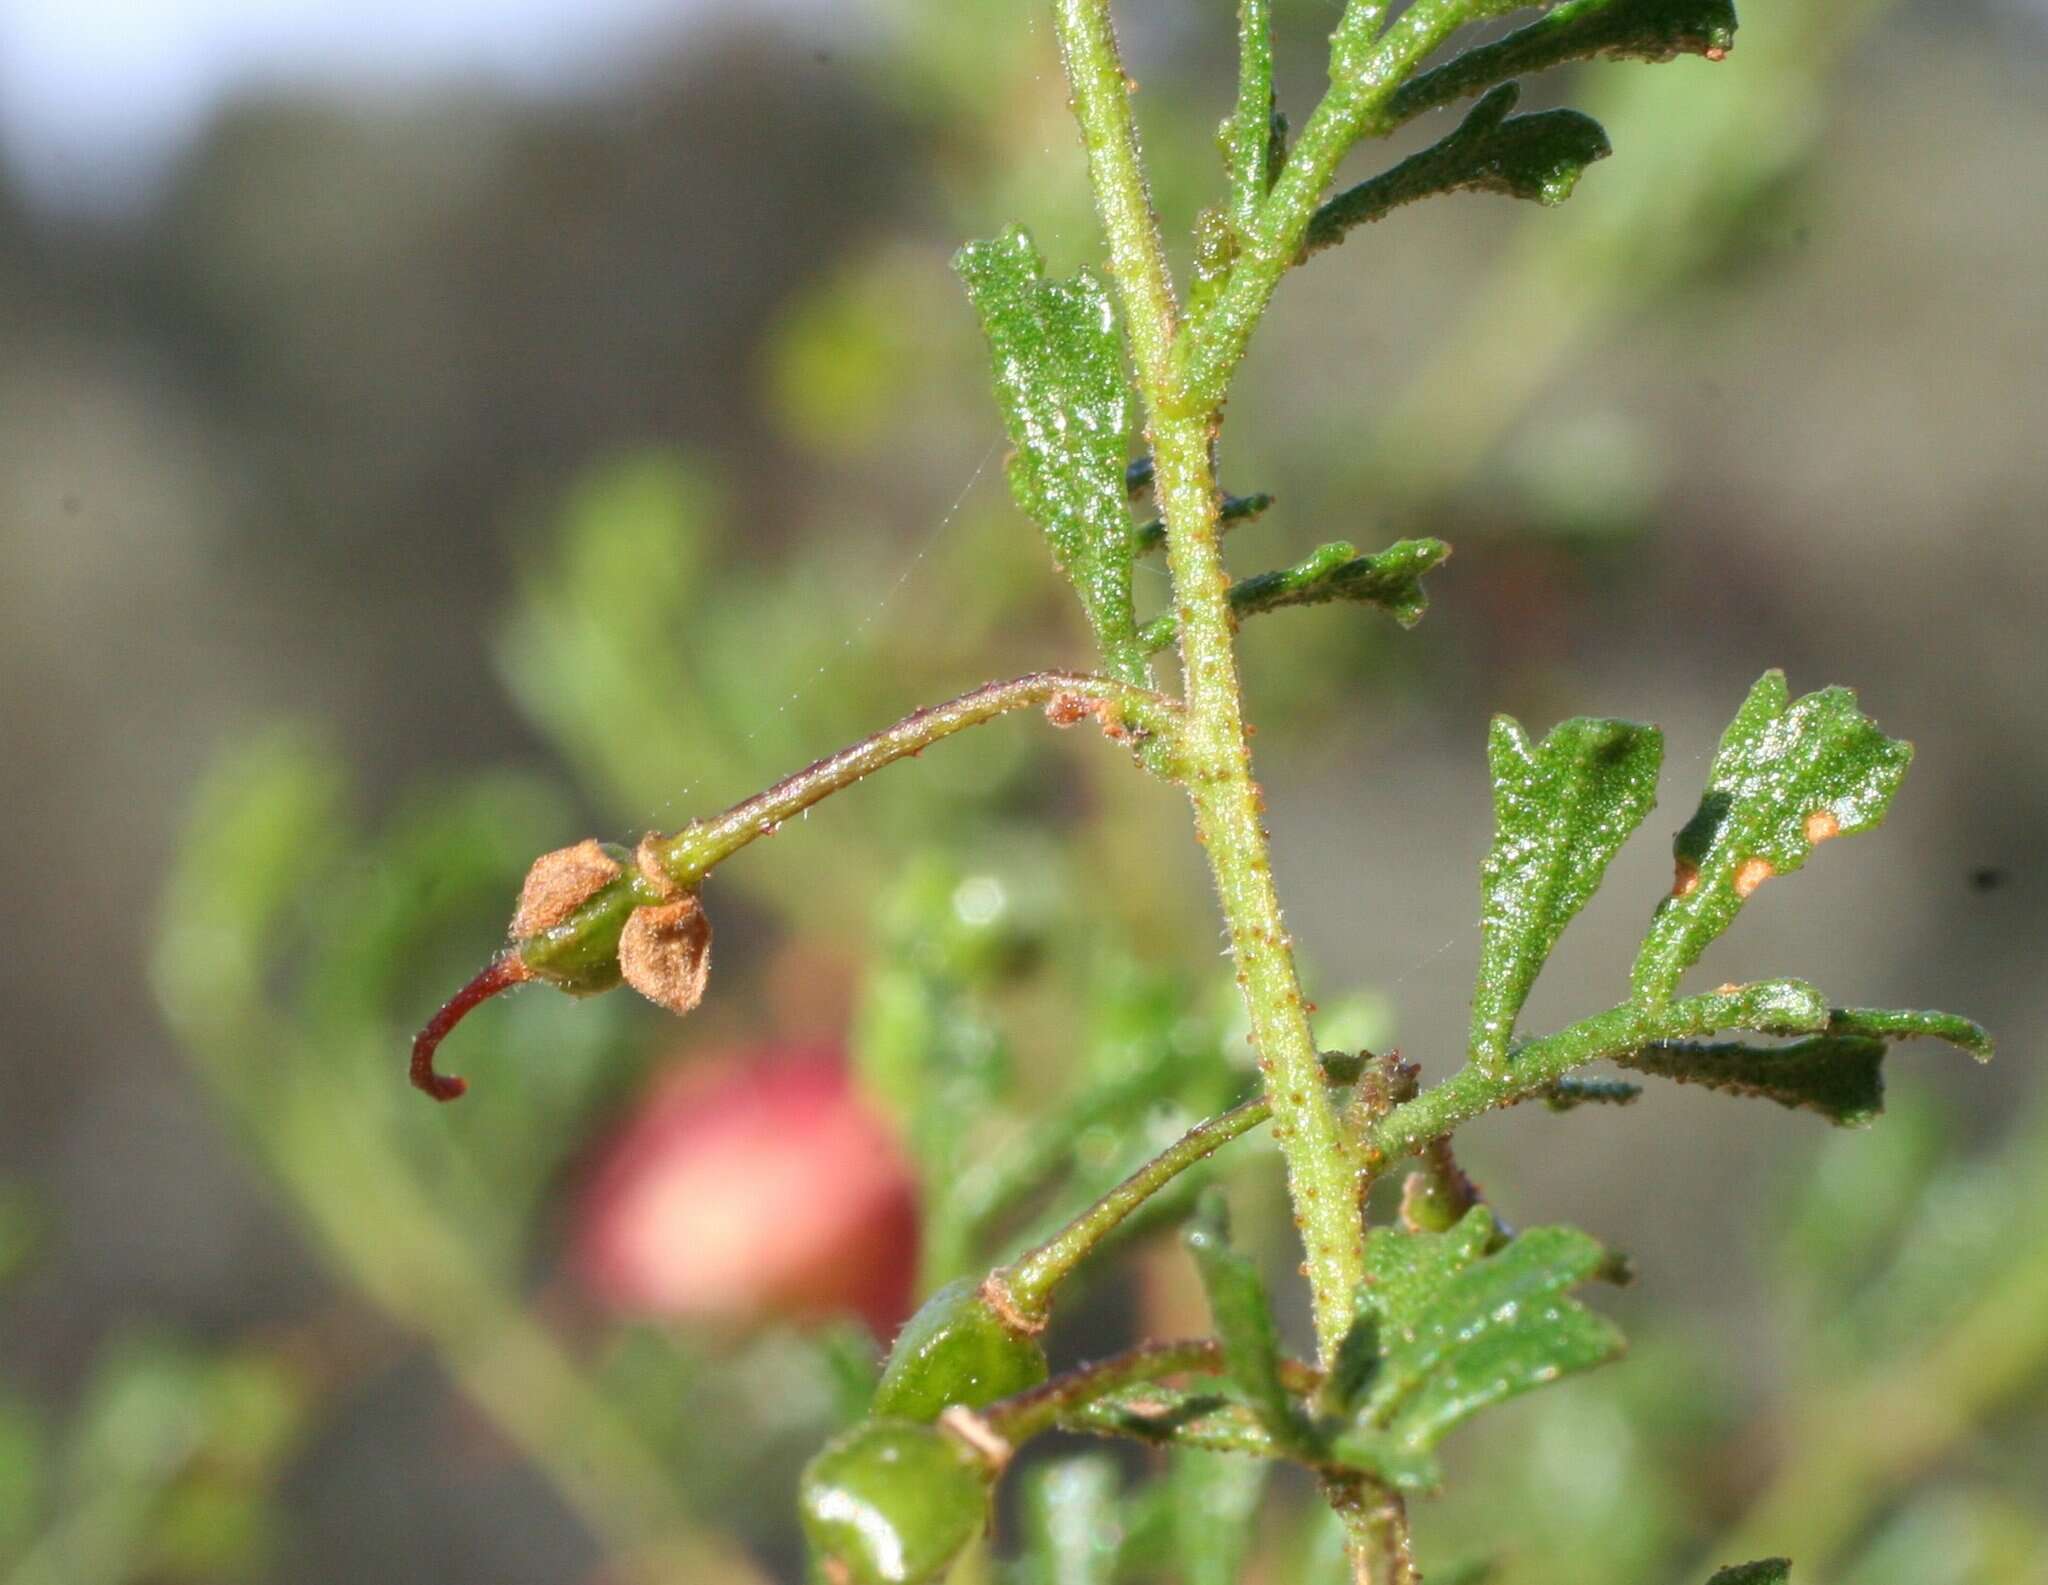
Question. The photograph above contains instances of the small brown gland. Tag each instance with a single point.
(647, 859)
(665, 953)
(1822, 824)
(1068, 709)
(1754, 873)
(1686, 881)
(560, 883)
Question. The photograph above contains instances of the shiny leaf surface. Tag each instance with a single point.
(1068, 406)
(1562, 810)
(1787, 777)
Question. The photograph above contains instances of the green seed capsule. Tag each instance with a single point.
(958, 1348)
(893, 1503)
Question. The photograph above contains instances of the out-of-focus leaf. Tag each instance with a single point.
(1072, 1528)
(1461, 1328)
(1215, 1508)
(1786, 777)
(1562, 810)
(1244, 1320)
(1770, 1571)
(1066, 399)
(1651, 30)
(1539, 157)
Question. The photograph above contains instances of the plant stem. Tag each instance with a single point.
(1375, 1521)
(1029, 1413)
(1215, 759)
(1251, 124)
(1031, 1280)
(695, 850)
(1473, 1091)
(1366, 67)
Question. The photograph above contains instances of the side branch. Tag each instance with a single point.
(1123, 710)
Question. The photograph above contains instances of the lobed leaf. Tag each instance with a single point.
(1562, 810)
(1461, 1327)
(1244, 1320)
(1786, 777)
(1391, 580)
(1067, 404)
(1646, 30)
(1539, 157)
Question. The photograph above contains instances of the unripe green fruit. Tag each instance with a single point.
(957, 1349)
(893, 1503)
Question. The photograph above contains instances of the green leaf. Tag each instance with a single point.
(1786, 777)
(1906, 1024)
(1771, 1571)
(1839, 1073)
(1462, 1328)
(1066, 399)
(1244, 1320)
(1840, 1077)
(1357, 1363)
(1538, 157)
(1562, 810)
(1391, 580)
(1647, 30)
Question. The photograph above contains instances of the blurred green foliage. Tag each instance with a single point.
(670, 651)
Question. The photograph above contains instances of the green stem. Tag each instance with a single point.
(1251, 124)
(1109, 132)
(1473, 1091)
(1367, 67)
(694, 851)
(1215, 758)
(1032, 1279)
(1028, 1413)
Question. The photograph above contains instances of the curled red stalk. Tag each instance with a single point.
(500, 974)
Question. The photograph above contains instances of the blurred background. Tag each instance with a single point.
(430, 434)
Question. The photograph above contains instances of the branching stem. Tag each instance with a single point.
(1215, 761)
(694, 851)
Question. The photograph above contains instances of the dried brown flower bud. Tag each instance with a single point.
(665, 952)
(560, 883)
(647, 859)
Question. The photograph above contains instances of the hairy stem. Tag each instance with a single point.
(695, 850)
(1215, 761)
(1028, 1413)
(1367, 66)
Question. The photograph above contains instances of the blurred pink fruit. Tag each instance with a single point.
(752, 1187)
